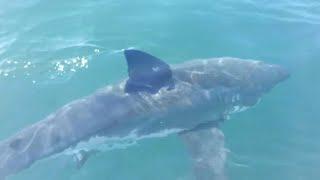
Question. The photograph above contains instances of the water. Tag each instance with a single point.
(52, 52)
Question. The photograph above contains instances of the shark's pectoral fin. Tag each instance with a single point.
(82, 156)
(206, 147)
(146, 73)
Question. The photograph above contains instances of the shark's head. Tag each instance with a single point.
(245, 79)
(248, 75)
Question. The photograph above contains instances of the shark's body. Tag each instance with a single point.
(188, 98)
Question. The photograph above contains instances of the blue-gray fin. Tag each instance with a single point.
(146, 73)
(207, 152)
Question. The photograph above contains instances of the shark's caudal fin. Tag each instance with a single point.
(146, 73)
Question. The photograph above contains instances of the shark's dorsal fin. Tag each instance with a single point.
(146, 73)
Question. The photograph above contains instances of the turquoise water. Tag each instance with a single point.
(52, 52)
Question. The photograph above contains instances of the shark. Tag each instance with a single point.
(190, 99)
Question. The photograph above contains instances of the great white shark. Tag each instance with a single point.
(190, 99)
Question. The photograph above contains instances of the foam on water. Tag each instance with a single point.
(105, 143)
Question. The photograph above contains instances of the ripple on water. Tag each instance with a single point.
(18, 68)
(57, 70)
(284, 10)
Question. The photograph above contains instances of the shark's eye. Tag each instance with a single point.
(16, 144)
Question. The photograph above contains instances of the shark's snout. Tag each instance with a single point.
(270, 75)
(281, 73)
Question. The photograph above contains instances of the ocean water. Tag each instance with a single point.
(52, 52)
